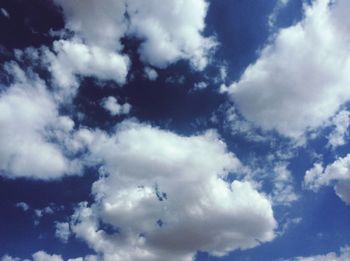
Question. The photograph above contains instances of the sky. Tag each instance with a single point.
(188, 130)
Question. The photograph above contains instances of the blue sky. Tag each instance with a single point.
(193, 130)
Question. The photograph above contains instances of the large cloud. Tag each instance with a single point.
(337, 173)
(302, 77)
(28, 117)
(162, 196)
(169, 32)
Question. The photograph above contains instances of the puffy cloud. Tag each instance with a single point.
(301, 78)
(43, 256)
(343, 256)
(341, 123)
(29, 116)
(113, 107)
(62, 231)
(106, 28)
(170, 32)
(158, 190)
(150, 73)
(74, 58)
(337, 172)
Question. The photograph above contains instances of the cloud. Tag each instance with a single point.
(31, 119)
(343, 256)
(158, 190)
(341, 123)
(44, 256)
(22, 205)
(150, 73)
(62, 231)
(337, 172)
(168, 32)
(113, 107)
(283, 191)
(301, 78)
(73, 58)
(200, 86)
(4, 13)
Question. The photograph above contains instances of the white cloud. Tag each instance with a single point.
(171, 32)
(283, 190)
(44, 256)
(74, 58)
(343, 256)
(337, 172)
(341, 123)
(22, 205)
(113, 107)
(301, 78)
(105, 29)
(159, 189)
(150, 73)
(30, 116)
(62, 231)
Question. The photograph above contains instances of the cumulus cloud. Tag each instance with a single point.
(156, 192)
(337, 173)
(30, 115)
(113, 107)
(73, 58)
(343, 256)
(301, 78)
(62, 231)
(341, 123)
(169, 32)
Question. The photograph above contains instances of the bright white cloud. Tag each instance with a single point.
(343, 256)
(157, 190)
(171, 32)
(337, 173)
(301, 78)
(30, 117)
(113, 107)
(74, 58)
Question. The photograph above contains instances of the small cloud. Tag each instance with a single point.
(111, 105)
(200, 86)
(150, 73)
(4, 13)
(22, 205)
